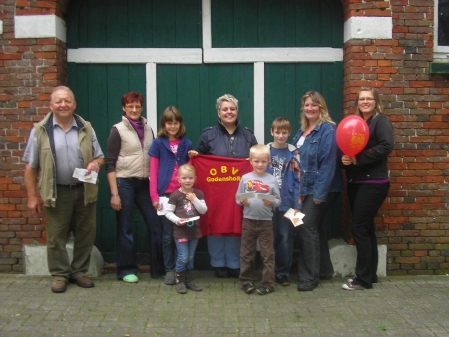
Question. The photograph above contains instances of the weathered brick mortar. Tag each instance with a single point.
(414, 220)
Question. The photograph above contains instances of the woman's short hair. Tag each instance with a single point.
(227, 98)
(259, 149)
(171, 113)
(188, 168)
(130, 97)
(379, 108)
(281, 123)
(318, 99)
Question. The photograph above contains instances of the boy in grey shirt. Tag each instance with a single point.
(257, 220)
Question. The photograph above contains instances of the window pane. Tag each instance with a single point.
(443, 23)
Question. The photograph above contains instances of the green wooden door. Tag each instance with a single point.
(134, 25)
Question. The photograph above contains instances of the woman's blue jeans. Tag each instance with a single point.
(135, 192)
(186, 254)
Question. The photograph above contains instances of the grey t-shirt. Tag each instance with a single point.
(265, 184)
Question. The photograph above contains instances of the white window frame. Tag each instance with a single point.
(440, 53)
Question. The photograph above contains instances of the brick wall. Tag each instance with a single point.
(413, 222)
(29, 70)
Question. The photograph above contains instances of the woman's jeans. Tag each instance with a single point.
(134, 191)
(314, 258)
(186, 254)
(365, 200)
(224, 251)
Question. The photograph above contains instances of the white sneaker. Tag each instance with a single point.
(350, 286)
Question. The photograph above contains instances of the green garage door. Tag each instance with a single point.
(193, 88)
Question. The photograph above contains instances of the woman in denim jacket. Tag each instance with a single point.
(320, 185)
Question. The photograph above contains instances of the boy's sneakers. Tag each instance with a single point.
(248, 288)
(283, 280)
(263, 290)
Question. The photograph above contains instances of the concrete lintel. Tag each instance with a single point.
(344, 257)
(40, 26)
(361, 27)
(35, 260)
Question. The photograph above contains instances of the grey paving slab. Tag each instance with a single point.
(397, 306)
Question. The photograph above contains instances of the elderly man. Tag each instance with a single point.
(58, 144)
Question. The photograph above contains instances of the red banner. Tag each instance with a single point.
(219, 177)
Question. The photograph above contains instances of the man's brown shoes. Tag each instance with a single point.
(82, 281)
(58, 286)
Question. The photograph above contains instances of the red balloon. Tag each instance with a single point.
(352, 135)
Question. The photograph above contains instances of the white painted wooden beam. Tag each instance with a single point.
(272, 55)
(207, 24)
(39, 26)
(136, 55)
(365, 27)
(259, 102)
(151, 90)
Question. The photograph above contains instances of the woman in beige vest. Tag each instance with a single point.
(127, 168)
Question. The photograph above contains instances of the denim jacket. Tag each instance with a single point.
(290, 180)
(320, 172)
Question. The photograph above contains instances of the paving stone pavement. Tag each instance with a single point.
(397, 306)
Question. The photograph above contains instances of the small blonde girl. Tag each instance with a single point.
(184, 206)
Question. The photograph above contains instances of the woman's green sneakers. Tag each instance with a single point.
(131, 278)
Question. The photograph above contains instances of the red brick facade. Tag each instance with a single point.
(413, 222)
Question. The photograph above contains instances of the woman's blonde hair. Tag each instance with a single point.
(378, 109)
(318, 100)
(227, 98)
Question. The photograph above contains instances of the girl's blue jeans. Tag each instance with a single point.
(186, 254)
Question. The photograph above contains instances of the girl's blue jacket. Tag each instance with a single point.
(160, 148)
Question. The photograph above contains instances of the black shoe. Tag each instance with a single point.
(283, 280)
(325, 277)
(248, 288)
(233, 272)
(221, 272)
(306, 285)
(263, 290)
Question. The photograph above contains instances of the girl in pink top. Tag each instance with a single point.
(168, 151)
